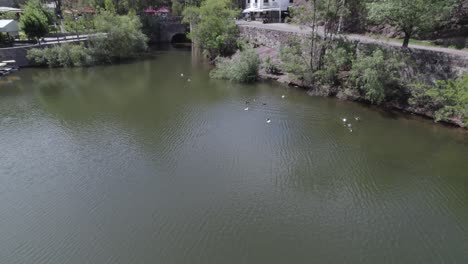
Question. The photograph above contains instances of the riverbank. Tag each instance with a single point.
(421, 66)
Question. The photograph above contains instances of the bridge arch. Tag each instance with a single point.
(179, 37)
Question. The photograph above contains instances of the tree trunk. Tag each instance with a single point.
(406, 40)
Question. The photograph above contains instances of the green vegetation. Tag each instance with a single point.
(448, 99)
(374, 75)
(213, 27)
(8, 15)
(121, 39)
(35, 20)
(320, 57)
(331, 65)
(177, 8)
(410, 16)
(271, 67)
(312, 14)
(296, 62)
(83, 24)
(65, 55)
(336, 60)
(242, 67)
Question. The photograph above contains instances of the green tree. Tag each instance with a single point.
(123, 37)
(213, 27)
(35, 20)
(109, 5)
(313, 13)
(410, 16)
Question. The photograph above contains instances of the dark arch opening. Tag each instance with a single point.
(180, 38)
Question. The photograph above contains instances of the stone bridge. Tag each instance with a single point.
(167, 30)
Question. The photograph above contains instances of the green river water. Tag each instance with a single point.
(133, 163)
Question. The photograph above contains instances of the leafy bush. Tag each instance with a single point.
(336, 60)
(271, 67)
(37, 56)
(296, 62)
(374, 75)
(65, 55)
(242, 67)
(448, 98)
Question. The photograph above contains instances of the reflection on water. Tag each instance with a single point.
(133, 163)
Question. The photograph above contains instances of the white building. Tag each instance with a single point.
(267, 10)
(272, 9)
(269, 4)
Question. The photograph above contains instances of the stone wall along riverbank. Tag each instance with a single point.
(426, 65)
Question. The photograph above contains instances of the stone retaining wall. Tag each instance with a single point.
(422, 65)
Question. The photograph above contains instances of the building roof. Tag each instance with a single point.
(9, 25)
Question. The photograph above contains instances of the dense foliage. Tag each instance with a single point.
(448, 99)
(410, 16)
(35, 20)
(242, 67)
(373, 75)
(65, 55)
(120, 38)
(271, 67)
(213, 27)
(336, 58)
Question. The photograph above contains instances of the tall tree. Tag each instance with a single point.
(213, 27)
(35, 20)
(410, 16)
(324, 12)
